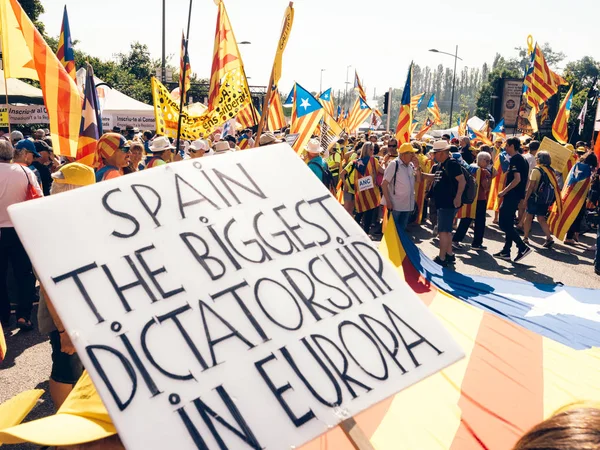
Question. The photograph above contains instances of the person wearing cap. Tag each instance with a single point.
(512, 195)
(24, 153)
(497, 148)
(43, 164)
(200, 148)
(448, 186)
(66, 366)
(161, 150)
(15, 181)
(116, 129)
(315, 162)
(398, 185)
(113, 152)
(268, 138)
(15, 137)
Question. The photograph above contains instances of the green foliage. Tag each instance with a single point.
(501, 68)
(34, 10)
(583, 75)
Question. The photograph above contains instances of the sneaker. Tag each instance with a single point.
(526, 241)
(440, 261)
(457, 246)
(522, 255)
(450, 258)
(478, 247)
(549, 243)
(435, 230)
(501, 255)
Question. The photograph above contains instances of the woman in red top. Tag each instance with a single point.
(484, 163)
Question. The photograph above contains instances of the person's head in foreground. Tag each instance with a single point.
(574, 429)
(25, 152)
(7, 152)
(136, 153)
(72, 176)
(161, 148)
(407, 153)
(113, 150)
(313, 148)
(513, 146)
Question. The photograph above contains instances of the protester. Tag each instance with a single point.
(334, 161)
(512, 194)
(39, 134)
(147, 139)
(15, 182)
(249, 134)
(232, 141)
(540, 196)
(161, 152)
(44, 165)
(572, 429)
(315, 162)
(66, 366)
(199, 148)
(484, 166)
(136, 155)
(268, 138)
(348, 176)
(366, 193)
(465, 150)
(448, 186)
(575, 229)
(15, 137)
(398, 185)
(113, 153)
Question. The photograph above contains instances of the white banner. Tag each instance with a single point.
(216, 304)
(511, 100)
(143, 121)
(23, 115)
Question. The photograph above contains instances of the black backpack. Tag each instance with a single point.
(470, 192)
(544, 194)
(327, 177)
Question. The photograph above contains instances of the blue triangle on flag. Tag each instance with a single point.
(326, 95)
(305, 102)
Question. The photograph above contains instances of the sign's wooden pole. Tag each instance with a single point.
(355, 435)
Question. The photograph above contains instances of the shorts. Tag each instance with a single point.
(66, 369)
(445, 217)
(348, 197)
(537, 209)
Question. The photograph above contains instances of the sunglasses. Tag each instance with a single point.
(125, 149)
(392, 146)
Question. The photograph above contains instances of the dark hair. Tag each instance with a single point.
(230, 138)
(453, 149)
(148, 134)
(485, 148)
(591, 160)
(446, 136)
(534, 146)
(515, 142)
(576, 429)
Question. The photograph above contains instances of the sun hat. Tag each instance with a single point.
(198, 145)
(82, 418)
(407, 148)
(27, 145)
(268, 138)
(313, 146)
(222, 147)
(75, 173)
(439, 146)
(161, 144)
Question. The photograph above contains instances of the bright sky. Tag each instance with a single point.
(379, 38)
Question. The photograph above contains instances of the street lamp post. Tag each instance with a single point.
(321, 82)
(456, 58)
(347, 83)
(163, 66)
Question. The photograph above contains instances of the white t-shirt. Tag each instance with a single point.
(403, 192)
(13, 188)
(531, 161)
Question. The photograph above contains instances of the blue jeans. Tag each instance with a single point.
(401, 219)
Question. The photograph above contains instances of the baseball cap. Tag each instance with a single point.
(16, 136)
(406, 148)
(76, 174)
(26, 144)
(82, 418)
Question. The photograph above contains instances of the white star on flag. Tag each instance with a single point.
(305, 104)
(560, 303)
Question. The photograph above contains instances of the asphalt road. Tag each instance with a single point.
(27, 365)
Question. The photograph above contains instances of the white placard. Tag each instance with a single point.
(228, 300)
(365, 183)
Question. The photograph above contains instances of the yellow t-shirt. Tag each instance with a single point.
(535, 177)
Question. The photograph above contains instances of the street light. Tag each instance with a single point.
(455, 56)
(244, 43)
(321, 82)
(347, 83)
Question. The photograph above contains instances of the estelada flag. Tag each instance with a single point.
(574, 195)
(468, 211)
(403, 129)
(61, 96)
(91, 122)
(306, 115)
(65, 52)
(275, 119)
(501, 165)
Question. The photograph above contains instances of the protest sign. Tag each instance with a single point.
(216, 304)
(559, 154)
(4, 117)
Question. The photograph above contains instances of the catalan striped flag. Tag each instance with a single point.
(306, 115)
(463, 126)
(501, 165)
(65, 52)
(184, 66)
(358, 114)
(243, 142)
(413, 126)
(574, 195)
(560, 127)
(91, 122)
(480, 135)
(416, 100)
(359, 87)
(406, 116)
(468, 211)
(558, 204)
(275, 119)
(573, 159)
(327, 101)
(249, 116)
(61, 95)
(226, 55)
(500, 130)
(424, 129)
(434, 109)
(420, 188)
(540, 82)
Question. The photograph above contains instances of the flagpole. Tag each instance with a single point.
(7, 104)
(184, 70)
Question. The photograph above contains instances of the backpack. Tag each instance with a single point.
(544, 194)
(327, 177)
(470, 192)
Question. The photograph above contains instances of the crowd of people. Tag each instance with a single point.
(447, 182)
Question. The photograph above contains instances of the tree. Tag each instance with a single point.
(34, 10)
(583, 75)
(501, 68)
(552, 58)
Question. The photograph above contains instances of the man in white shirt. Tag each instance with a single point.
(399, 185)
(14, 183)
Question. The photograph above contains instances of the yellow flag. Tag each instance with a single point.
(233, 97)
(16, 56)
(286, 29)
(533, 119)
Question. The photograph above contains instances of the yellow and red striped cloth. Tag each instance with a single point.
(275, 119)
